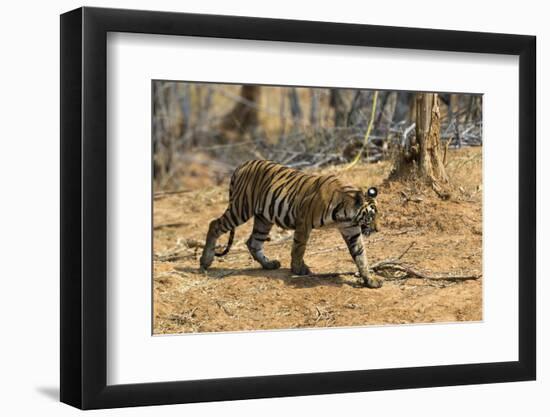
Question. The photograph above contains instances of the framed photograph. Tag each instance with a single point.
(259, 208)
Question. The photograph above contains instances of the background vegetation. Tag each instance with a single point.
(224, 125)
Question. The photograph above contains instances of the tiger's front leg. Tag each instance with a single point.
(354, 241)
(301, 236)
(255, 244)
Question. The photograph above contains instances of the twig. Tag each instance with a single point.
(161, 226)
(223, 308)
(319, 314)
(406, 250)
(162, 194)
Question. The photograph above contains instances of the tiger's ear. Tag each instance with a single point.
(372, 192)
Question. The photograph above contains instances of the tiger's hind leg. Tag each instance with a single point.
(229, 221)
(255, 243)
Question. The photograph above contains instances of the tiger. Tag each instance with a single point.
(295, 200)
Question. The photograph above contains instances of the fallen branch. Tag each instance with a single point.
(395, 269)
(385, 267)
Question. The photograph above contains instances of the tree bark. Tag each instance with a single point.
(428, 137)
(425, 153)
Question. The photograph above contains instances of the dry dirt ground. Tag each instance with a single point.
(237, 295)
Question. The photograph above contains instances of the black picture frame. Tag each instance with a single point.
(84, 207)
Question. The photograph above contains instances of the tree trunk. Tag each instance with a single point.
(314, 117)
(282, 113)
(295, 108)
(387, 111)
(454, 115)
(474, 109)
(402, 107)
(338, 103)
(428, 137)
(412, 108)
(244, 115)
(425, 153)
(205, 105)
(356, 116)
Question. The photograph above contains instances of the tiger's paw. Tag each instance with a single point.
(203, 268)
(274, 264)
(205, 261)
(372, 282)
(301, 270)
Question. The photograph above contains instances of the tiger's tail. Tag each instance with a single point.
(229, 244)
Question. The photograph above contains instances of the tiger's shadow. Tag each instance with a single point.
(282, 274)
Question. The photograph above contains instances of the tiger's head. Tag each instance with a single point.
(367, 212)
